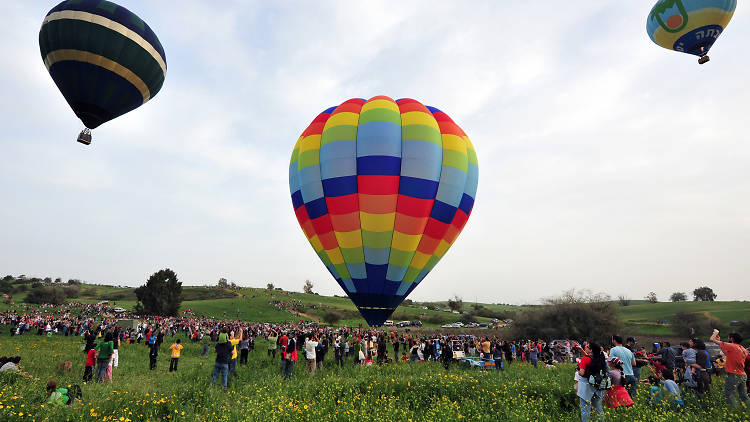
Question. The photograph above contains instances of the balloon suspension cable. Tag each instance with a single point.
(703, 60)
(85, 136)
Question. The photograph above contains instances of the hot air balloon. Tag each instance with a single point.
(382, 189)
(105, 60)
(689, 26)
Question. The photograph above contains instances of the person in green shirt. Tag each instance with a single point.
(272, 338)
(56, 395)
(104, 350)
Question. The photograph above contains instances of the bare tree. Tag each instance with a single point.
(651, 297)
(623, 300)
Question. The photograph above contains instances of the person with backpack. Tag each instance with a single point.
(593, 381)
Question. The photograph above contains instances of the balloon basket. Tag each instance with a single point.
(85, 136)
(703, 59)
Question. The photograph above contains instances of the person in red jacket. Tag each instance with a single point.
(291, 357)
(88, 371)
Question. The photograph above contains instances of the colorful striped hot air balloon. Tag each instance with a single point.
(689, 26)
(104, 59)
(382, 189)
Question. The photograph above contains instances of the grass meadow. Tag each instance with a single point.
(393, 392)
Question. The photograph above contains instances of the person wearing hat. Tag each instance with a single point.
(223, 355)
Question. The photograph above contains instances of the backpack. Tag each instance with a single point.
(600, 381)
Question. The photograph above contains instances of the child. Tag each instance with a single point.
(88, 372)
(654, 392)
(56, 395)
(175, 348)
(667, 378)
(617, 395)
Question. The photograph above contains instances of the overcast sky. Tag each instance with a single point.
(605, 161)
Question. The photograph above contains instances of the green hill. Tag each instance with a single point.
(255, 304)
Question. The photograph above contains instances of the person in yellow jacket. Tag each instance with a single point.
(234, 341)
(176, 347)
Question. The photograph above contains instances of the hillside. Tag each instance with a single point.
(639, 318)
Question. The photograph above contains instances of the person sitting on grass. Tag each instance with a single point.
(11, 365)
(666, 378)
(56, 396)
(654, 392)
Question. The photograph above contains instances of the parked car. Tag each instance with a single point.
(388, 323)
(404, 323)
(416, 323)
(483, 324)
(119, 310)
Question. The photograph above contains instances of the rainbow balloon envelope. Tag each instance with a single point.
(381, 189)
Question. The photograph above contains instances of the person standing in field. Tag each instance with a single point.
(591, 364)
(153, 353)
(104, 353)
(88, 371)
(223, 353)
(736, 381)
(628, 362)
(176, 347)
(244, 350)
(233, 362)
(291, 357)
(310, 345)
(272, 338)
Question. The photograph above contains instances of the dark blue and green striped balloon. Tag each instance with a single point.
(104, 59)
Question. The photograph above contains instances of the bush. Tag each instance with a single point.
(687, 324)
(47, 294)
(579, 316)
(331, 317)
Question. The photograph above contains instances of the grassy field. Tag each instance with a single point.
(394, 392)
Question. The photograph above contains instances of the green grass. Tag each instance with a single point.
(394, 392)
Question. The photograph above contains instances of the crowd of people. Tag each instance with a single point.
(605, 374)
(612, 374)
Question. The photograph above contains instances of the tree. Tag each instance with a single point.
(161, 295)
(58, 280)
(308, 287)
(456, 303)
(269, 286)
(578, 315)
(46, 294)
(704, 294)
(223, 283)
(678, 297)
(651, 297)
(623, 300)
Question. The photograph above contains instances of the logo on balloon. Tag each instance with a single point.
(675, 13)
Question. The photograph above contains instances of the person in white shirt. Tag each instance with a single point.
(310, 345)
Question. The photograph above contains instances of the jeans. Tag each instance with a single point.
(498, 364)
(631, 383)
(173, 364)
(283, 366)
(738, 383)
(101, 369)
(586, 407)
(289, 368)
(233, 367)
(534, 362)
(243, 356)
(224, 369)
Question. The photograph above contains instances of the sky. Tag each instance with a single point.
(605, 162)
